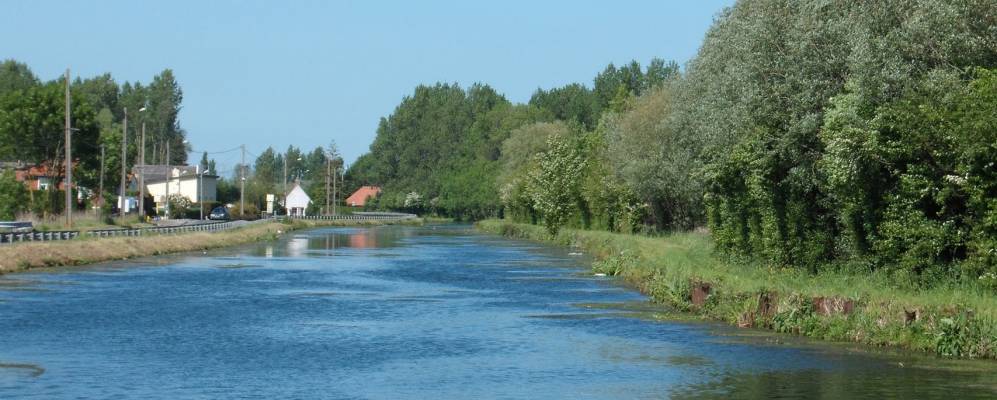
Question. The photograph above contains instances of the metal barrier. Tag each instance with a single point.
(17, 237)
(360, 216)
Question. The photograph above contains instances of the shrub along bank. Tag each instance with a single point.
(682, 271)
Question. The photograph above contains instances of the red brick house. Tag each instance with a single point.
(36, 176)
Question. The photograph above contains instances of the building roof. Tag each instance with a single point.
(297, 198)
(359, 198)
(157, 173)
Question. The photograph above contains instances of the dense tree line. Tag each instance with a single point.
(440, 149)
(32, 129)
(850, 131)
(802, 134)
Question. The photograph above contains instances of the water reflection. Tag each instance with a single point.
(891, 382)
(407, 312)
(297, 246)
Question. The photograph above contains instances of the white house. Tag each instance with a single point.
(188, 181)
(297, 201)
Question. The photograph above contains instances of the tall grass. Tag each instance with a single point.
(954, 319)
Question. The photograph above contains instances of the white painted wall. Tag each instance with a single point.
(297, 201)
(188, 186)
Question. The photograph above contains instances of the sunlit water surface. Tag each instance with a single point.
(407, 313)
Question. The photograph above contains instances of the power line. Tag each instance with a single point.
(215, 152)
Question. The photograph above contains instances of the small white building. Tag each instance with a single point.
(297, 201)
(186, 181)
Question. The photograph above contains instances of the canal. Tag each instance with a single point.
(397, 312)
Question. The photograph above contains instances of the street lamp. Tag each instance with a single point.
(200, 189)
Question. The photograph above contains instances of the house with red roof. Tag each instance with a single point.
(360, 197)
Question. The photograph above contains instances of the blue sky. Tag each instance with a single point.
(308, 72)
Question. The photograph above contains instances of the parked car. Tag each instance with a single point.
(219, 213)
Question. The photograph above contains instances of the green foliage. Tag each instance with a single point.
(442, 142)
(571, 103)
(854, 152)
(964, 335)
(667, 175)
(32, 125)
(808, 135)
(15, 76)
(13, 196)
(180, 205)
(554, 182)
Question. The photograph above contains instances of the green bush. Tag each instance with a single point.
(13, 196)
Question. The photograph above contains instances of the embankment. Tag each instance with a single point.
(81, 251)
(681, 271)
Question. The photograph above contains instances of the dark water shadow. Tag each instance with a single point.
(30, 370)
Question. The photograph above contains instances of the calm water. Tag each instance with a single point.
(405, 312)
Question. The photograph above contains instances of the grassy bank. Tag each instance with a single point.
(681, 270)
(24, 256)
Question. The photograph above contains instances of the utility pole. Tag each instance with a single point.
(328, 163)
(122, 204)
(101, 190)
(169, 177)
(284, 195)
(335, 171)
(242, 179)
(141, 173)
(69, 160)
(200, 187)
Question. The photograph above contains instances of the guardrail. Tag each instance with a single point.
(17, 237)
(360, 216)
(15, 226)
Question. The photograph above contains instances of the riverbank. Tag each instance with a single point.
(681, 271)
(82, 251)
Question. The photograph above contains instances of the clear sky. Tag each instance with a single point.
(307, 72)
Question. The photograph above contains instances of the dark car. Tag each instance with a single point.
(219, 213)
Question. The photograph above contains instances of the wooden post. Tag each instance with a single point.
(141, 176)
(100, 191)
(328, 163)
(124, 166)
(69, 160)
(242, 188)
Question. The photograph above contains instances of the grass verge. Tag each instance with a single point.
(24, 256)
(681, 270)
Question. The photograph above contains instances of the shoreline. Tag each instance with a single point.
(680, 271)
(27, 256)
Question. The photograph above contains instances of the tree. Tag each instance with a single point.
(433, 141)
(554, 181)
(32, 128)
(13, 196)
(100, 92)
(659, 72)
(204, 163)
(758, 92)
(519, 153)
(572, 102)
(657, 160)
(163, 98)
(15, 76)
